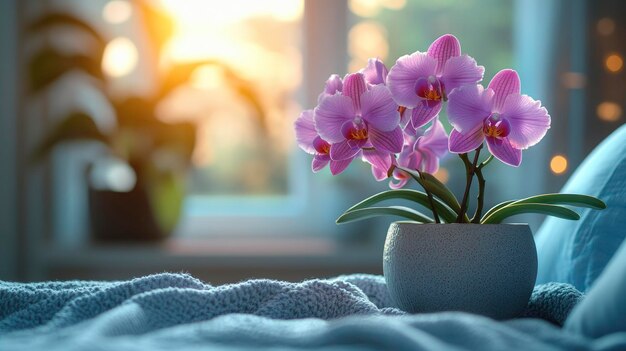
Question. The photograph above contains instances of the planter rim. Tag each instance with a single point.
(405, 223)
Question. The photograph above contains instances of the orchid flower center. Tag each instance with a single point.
(430, 89)
(321, 146)
(496, 127)
(355, 129)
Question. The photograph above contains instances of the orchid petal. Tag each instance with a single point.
(379, 174)
(319, 163)
(402, 178)
(503, 84)
(403, 75)
(400, 184)
(379, 109)
(405, 116)
(375, 73)
(434, 139)
(380, 161)
(343, 150)
(468, 106)
(424, 112)
(337, 167)
(386, 141)
(429, 162)
(461, 70)
(354, 86)
(465, 142)
(331, 114)
(444, 48)
(409, 158)
(529, 121)
(504, 151)
(333, 85)
(305, 131)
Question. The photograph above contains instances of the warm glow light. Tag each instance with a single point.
(207, 77)
(614, 63)
(558, 164)
(609, 111)
(259, 42)
(606, 26)
(442, 175)
(117, 11)
(368, 39)
(120, 57)
(198, 12)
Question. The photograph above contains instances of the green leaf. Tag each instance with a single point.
(412, 195)
(166, 192)
(77, 126)
(437, 188)
(565, 199)
(370, 212)
(495, 208)
(514, 209)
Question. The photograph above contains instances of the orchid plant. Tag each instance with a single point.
(390, 119)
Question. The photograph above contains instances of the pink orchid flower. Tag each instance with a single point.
(421, 81)
(375, 73)
(361, 117)
(422, 151)
(509, 121)
(334, 85)
(309, 141)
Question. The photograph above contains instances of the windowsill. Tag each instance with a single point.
(218, 260)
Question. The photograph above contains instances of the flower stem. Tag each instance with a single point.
(430, 199)
(481, 190)
(481, 194)
(470, 169)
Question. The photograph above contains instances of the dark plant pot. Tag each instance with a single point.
(487, 269)
(123, 216)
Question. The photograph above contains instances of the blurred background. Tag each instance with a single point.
(140, 136)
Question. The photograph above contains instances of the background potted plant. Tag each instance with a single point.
(448, 260)
(158, 153)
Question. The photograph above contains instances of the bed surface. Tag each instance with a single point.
(179, 312)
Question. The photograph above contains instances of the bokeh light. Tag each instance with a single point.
(367, 39)
(605, 26)
(117, 11)
(120, 57)
(609, 111)
(614, 63)
(558, 164)
(371, 8)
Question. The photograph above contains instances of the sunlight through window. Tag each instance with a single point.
(249, 45)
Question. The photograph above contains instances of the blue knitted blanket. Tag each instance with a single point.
(167, 311)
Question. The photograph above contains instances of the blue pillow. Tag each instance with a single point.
(603, 310)
(576, 252)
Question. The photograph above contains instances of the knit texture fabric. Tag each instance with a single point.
(552, 302)
(171, 299)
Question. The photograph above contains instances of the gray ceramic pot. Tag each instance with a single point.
(488, 269)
